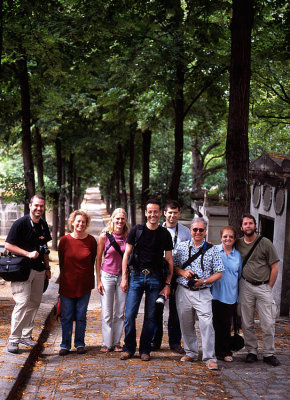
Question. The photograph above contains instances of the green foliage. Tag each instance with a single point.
(11, 179)
(97, 68)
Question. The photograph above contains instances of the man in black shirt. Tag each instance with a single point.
(25, 238)
(150, 242)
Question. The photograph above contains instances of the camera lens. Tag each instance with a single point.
(191, 281)
(160, 299)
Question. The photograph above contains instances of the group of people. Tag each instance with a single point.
(166, 261)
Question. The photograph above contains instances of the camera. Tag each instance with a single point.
(191, 281)
(160, 299)
(43, 249)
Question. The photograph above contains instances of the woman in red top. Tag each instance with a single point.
(77, 254)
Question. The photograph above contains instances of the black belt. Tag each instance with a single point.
(193, 288)
(256, 283)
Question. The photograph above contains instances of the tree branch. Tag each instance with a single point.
(208, 149)
(213, 157)
(208, 83)
(208, 171)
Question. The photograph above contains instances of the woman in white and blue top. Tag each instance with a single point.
(225, 293)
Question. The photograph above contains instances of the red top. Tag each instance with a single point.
(76, 261)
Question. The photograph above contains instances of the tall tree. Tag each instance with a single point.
(146, 145)
(131, 173)
(39, 161)
(22, 74)
(62, 201)
(237, 148)
(56, 193)
(1, 32)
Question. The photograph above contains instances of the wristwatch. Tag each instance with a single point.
(168, 284)
(204, 281)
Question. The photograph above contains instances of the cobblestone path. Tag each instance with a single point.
(96, 375)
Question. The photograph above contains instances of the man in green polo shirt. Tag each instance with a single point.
(258, 278)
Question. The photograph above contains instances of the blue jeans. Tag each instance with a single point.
(151, 285)
(74, 309)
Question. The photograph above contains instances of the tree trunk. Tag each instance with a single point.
(237, 148)
(55, 214)
(178, 133)
(146, 145)
(70, 183)
(26, 132)
(62, 201)
(108, 198)
(131, 179)
(113, 192)
(117, 186)
(197, 167)
(122, 178)
(77, 191)
(39, 161)
(1, 33)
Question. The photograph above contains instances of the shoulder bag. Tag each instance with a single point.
(132, 259)
(15, 268)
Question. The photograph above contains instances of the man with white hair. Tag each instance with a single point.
(198, 265)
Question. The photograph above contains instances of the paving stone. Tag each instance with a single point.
(104, 376)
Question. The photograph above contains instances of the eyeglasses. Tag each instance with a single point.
(198, 230)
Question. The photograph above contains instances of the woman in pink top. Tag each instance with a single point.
(111, 246)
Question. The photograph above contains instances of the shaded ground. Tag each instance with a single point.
(101, 376)
(104, 376)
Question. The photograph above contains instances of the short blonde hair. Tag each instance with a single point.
(73, 216)
(110, 225)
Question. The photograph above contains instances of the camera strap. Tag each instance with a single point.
(206, 246)
(113, 243)
(175, 235)
(34, 229)
(251, 251)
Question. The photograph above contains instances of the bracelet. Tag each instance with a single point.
(168, 284)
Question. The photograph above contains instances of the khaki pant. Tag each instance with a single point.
(190, 303)
(258, 298)
(27, 296)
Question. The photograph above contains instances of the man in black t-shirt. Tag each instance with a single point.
(25, 238)
(150, 242)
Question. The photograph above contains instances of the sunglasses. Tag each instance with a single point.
(198, 230)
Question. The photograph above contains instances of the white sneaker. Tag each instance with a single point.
(28, 342)
(13, 347)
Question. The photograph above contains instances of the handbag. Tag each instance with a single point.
(237, 341)
(15, 269)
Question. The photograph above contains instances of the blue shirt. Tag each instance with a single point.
(226, 289)
(212, 261)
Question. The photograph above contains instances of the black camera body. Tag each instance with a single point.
(191, 281)
(43, 250)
